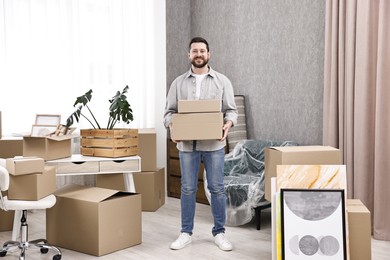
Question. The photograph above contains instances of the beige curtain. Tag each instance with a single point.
(357, 100)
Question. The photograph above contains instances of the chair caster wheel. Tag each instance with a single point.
(57, 257)
(44, 250)
(3, 253)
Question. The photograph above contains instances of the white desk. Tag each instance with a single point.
(79, 164)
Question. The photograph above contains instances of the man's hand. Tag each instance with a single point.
(225, 129)
(171, 131)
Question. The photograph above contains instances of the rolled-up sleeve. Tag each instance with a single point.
(228, 104)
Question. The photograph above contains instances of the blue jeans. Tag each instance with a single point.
(214, 165)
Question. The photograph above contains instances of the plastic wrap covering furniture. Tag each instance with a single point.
(244, 179)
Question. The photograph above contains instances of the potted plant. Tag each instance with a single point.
(119, 110)
(108, 141)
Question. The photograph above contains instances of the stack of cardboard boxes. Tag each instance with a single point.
(150, 182)
(40, 182)
(197, 120)
(103, 219)
(91, 220)
(30, 179)
(358, 216)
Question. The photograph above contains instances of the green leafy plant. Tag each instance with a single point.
(119, 110)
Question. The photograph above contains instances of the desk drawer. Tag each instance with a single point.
(77, 167)
(119, 166)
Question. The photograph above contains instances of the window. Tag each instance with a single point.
(52, 51)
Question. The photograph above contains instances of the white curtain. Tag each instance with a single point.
(52, 51)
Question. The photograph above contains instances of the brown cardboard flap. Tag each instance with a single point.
(90, 194)
(55, 138)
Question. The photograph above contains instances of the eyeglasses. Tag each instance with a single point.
(201, 51)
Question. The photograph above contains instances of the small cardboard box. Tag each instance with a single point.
(152, 187)
(199, 106)
(33, 186)
(6, 218)
(93, 220)
(197, 126)
(359, 230)
(297, 155)
(48, 148)
(147, 148)
(11, 147)
(25, 165)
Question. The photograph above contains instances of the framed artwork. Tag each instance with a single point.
(311, 177)
(44, 119)
(313, 224)
(42, 130)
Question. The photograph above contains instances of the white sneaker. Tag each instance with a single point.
(222, 242)
(183, 240)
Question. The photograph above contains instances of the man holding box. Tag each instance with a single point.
(199, 83)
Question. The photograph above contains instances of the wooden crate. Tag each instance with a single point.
(109, 143)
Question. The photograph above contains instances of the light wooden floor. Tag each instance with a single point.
(160, 228)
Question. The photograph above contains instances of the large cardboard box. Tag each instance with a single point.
(359, 230)
(6, 218)
(147, 148)
(297, 155)
(197, 126)
(94, 220)
(33, 186)
(199, 106)
(25, 165)
(11, 147)
(152, 187)
(48, 148)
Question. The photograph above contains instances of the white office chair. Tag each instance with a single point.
(23, 206)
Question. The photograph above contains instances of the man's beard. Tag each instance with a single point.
(199, 65)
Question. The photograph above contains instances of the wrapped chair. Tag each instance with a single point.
(23, 206)
(244, 181)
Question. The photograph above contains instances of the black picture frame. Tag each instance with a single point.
(313, 224)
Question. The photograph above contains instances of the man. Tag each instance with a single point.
(202, 82)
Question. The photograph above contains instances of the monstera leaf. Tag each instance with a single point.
(119, 110)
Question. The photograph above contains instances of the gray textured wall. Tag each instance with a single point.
(272, 50)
